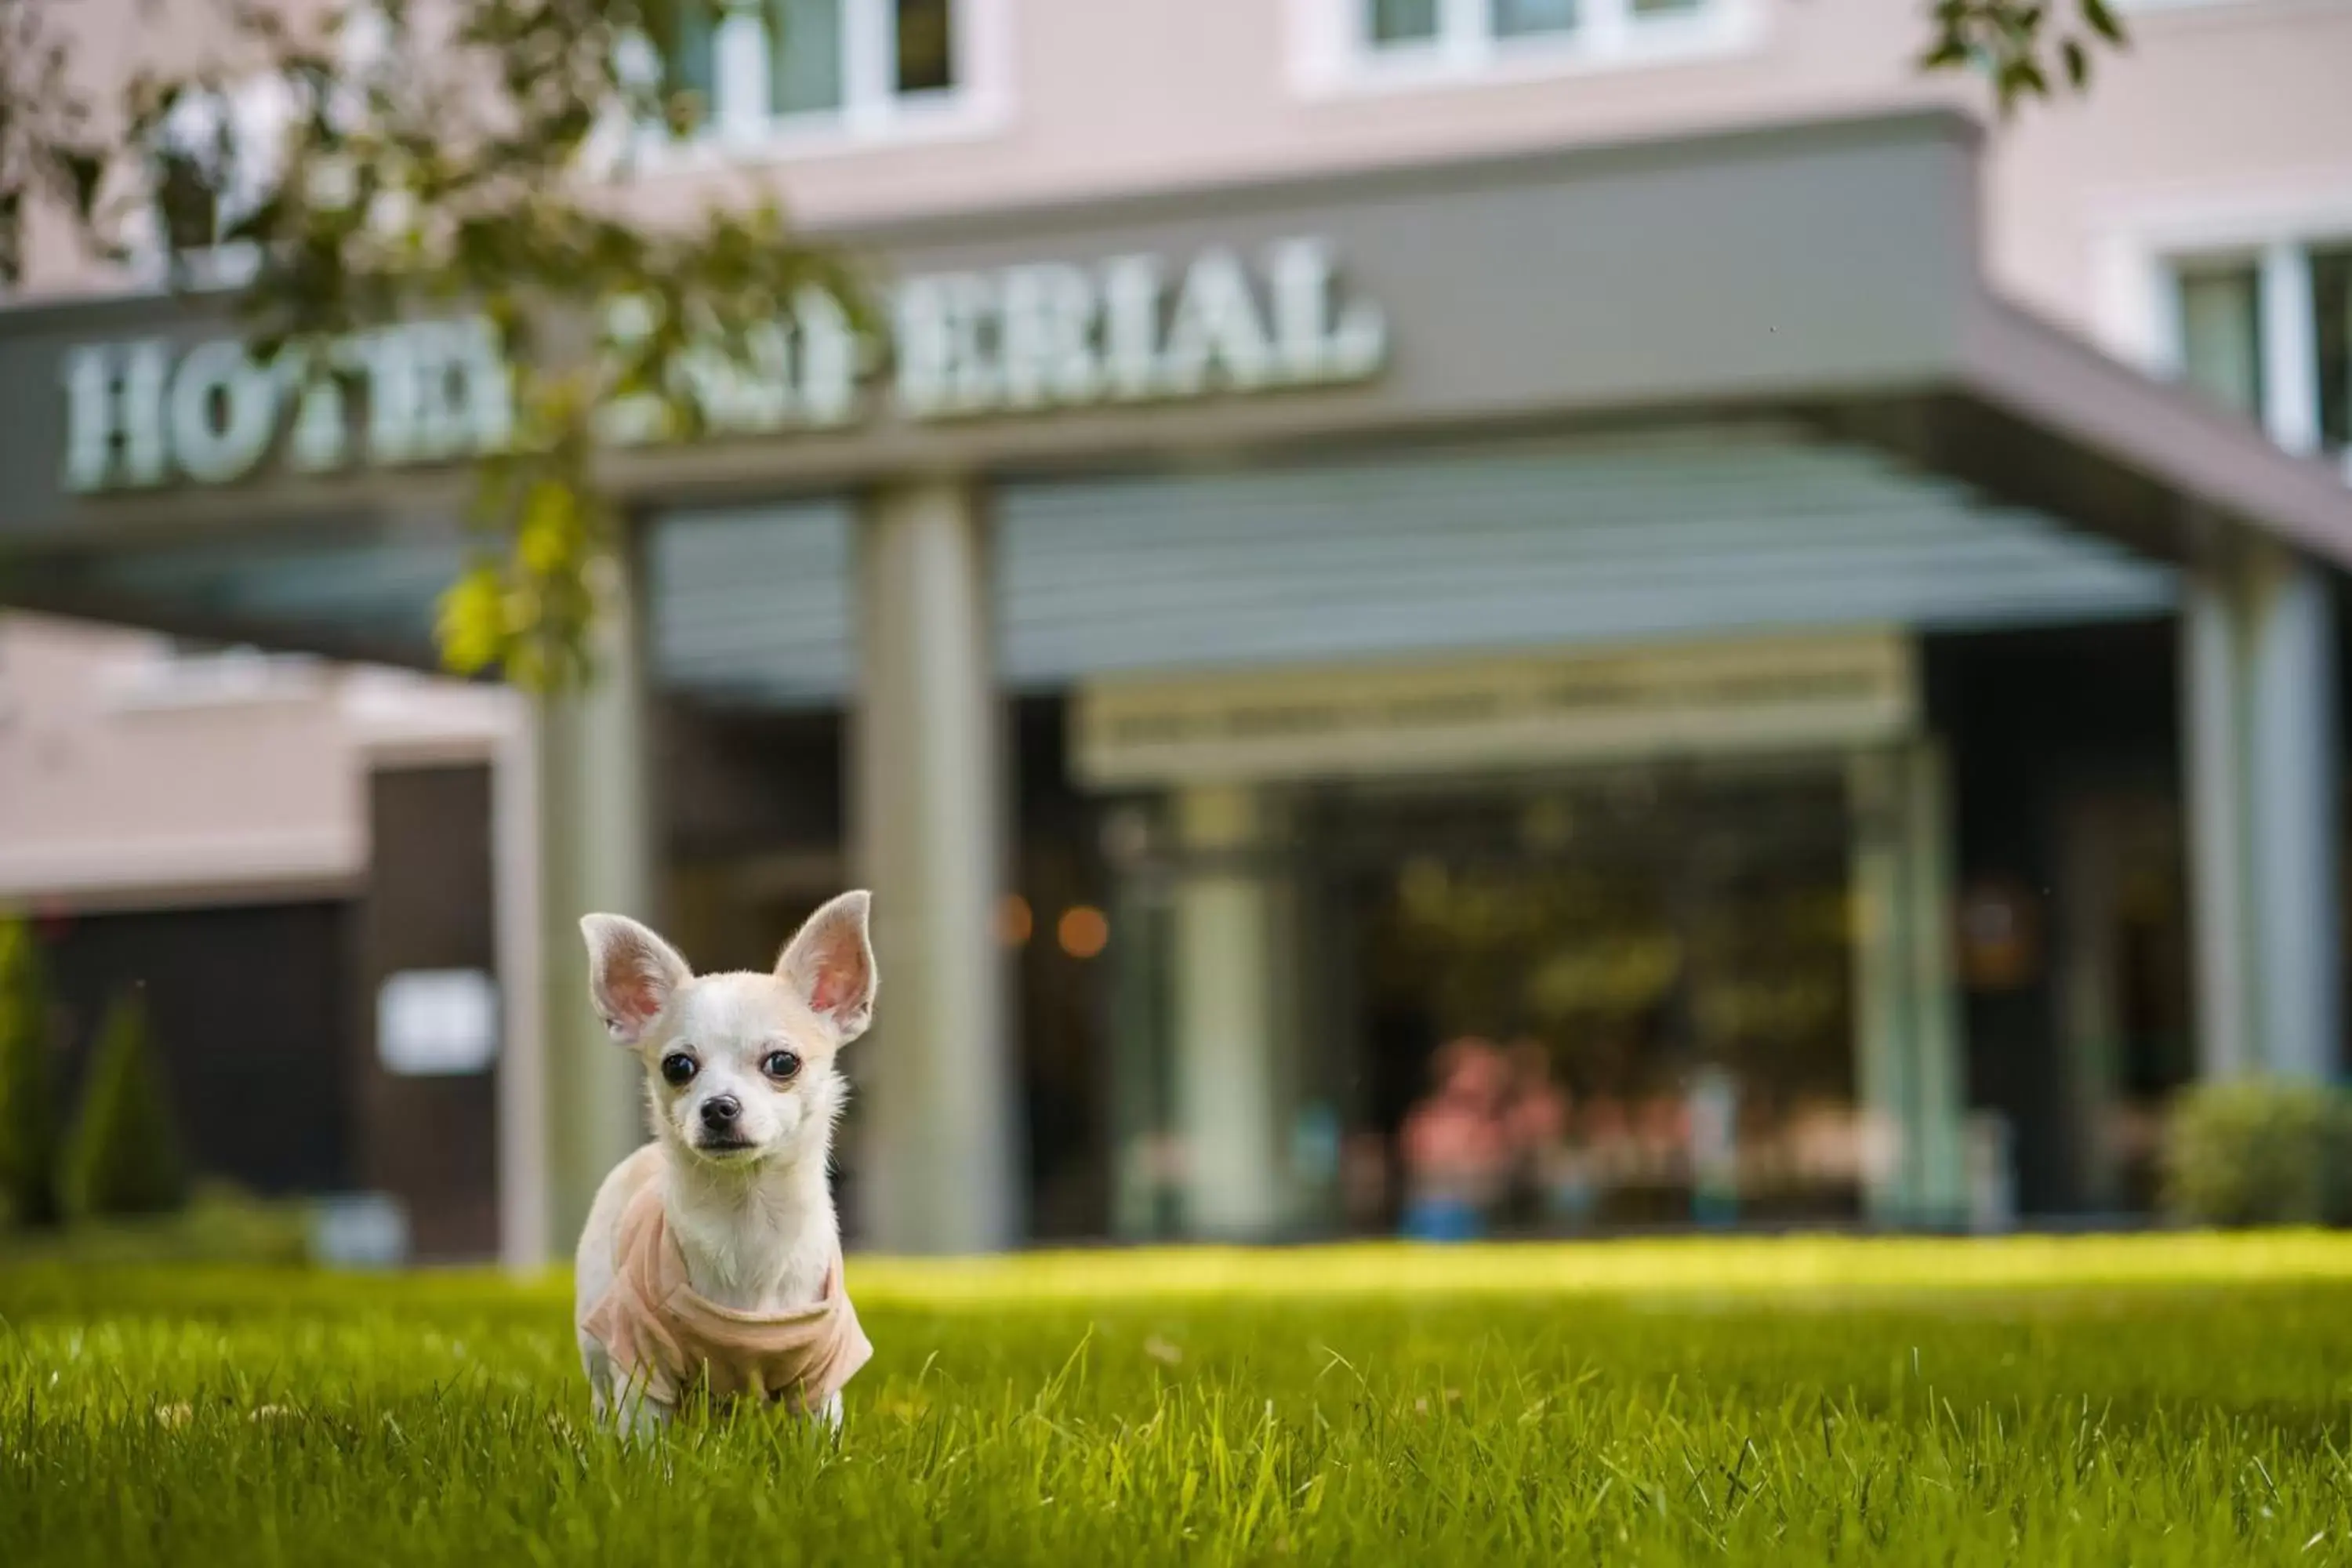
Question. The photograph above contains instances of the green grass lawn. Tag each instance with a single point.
(2159, 1400)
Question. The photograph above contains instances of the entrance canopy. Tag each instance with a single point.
(1771, 348)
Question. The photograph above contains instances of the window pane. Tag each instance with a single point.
(804, 56)
(1401, 21)
(926, 46)
(187, 200)
(1524, 18)
(2331, 302)
(691, 68)
(2221, 336)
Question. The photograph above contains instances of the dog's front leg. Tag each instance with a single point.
(640, 1418)
(619, 1403)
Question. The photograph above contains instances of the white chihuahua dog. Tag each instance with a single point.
(711, 1259)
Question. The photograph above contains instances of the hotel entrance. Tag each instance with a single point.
(1677, 954)
(1646, 973)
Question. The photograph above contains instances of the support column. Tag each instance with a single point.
(1938, 1078)
(2215, 809)
(596, 853)
(1882, 983)
(930, 820)
(1228, 1085)
(2258, 651)
(1907, 1066)
(2291, 773)
(527, 1240)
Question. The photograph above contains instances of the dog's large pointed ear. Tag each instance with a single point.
(830, 964)
(631, 973)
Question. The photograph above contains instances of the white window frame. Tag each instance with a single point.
(2142, 253)
(873, 112)
(1333, 54)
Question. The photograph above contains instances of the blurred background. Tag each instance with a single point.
(1464, 616)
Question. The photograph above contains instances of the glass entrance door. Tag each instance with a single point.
(1615, 998)
(1524, 1004)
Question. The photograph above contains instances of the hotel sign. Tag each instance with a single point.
(1799, 691)
(1018, 340)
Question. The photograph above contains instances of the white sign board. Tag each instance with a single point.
(437, 1023)
(360, 1230)
(1790, 693)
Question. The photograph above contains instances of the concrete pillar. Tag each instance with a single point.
(1938, 1075)
(2259, 654)
(527, 1240)
(1228, 1086)
(2215, 809)
(937, 1163)
(1908, 1060)
(1882, 983)
(2291, 795)
(596, 853)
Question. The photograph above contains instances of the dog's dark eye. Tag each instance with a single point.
(678, 1069)
(779, 1065)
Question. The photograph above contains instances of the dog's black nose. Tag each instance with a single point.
(719, 1112)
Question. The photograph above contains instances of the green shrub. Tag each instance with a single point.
(124, 1158)
(220, 1224)
(28, 1102)
(2260, 1152)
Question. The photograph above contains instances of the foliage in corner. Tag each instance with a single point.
(354, 163)
(124, 1155)
(2022, 46)
(28, 1100)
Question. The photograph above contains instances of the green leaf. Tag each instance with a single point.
(471, 626)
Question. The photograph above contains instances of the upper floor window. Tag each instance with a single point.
(1388, 39)
(215, 159)
(2269, 333)
(763, 66)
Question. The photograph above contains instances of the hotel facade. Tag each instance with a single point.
(1643, 528)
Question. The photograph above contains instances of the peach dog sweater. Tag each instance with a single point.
(668, 1340)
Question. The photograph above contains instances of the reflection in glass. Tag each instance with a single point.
(1654, 971)
(2220, 335)
(804, 56)
(926, 53)
(1526, 19)
(1401, 21)
(2331, 302)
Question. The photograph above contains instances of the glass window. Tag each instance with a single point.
(1401, 21)
(692, 65)
(926, 50)
(804, 56)
(1530, 18)
(187, 200)
(2220, 334)
(2331, 312)
(788, 59)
